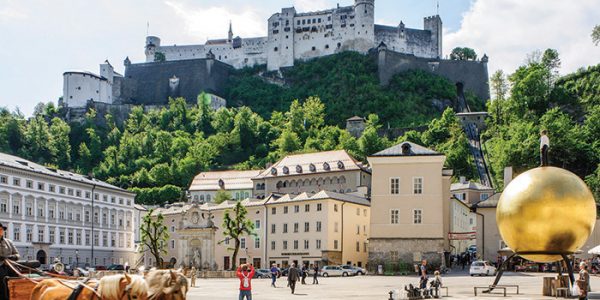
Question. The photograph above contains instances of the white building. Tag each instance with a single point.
(293, 35)
(463, 226)
(79, 87)
(239, 184)
(49, 215)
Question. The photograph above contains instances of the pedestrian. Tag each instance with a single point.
(304, 273)
(544, 146)
(193, 276)
(316, 274)
(245, 272)
(436, 284)
(274, 274)
(293, 276)
(423, 268)
(583, 282)
(8, 251)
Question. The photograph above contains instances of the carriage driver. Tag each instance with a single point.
(7, 251)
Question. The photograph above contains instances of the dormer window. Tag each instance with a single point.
(340, 164)
(273, 171)
(298, 169)
(286, 170)
(326, 166)
(312, 168)
(406, 149)
(221, 183)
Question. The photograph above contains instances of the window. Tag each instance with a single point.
(243, 243)
(87, 215)
(358, 211)
(319, 207)
(96, 239)
(172, 244)
(29, 234)
(3, 179)
(395, 186)
(51, 212)
(295, 244)
(335, 244)
(16, 207)
(3, 206)
(256, 224)
(41, 211)
(357, 246)
(393, 255)
(357, 229)
(284, 245)
(296, 208)
(394, 216)
(272, 245)
(272, 228)
(306, 226)
(365, 247)
(78, 193)
(483, 196)
(318, 226)
(335, 208)
(274, 210)
(78, 238)
(306, 207)
(295, 227)
(70, 192)
(318, 244)
(418, 185)
(87, 238)
(61, 236)
(51, 188)
(256, 242)
(17, 181)
(88, 195)
(305, 244)
(364, 229)
(70, 237)
(417, 216)
(335, 227)
(61, 189)
(365, 212)
(29, 184)
(285, 228)
(29, 210)
(17, 232)
(285, 209)
(51, 236)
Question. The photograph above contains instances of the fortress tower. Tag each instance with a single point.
(364, 11)
(434, 24)
(152, 42)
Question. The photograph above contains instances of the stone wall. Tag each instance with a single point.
(409, 251)
(471, 75)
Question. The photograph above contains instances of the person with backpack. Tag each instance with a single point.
(245, 272)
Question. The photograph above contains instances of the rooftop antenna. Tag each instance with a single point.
(147, 27)
(438, 8)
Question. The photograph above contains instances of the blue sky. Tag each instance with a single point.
(41, 39)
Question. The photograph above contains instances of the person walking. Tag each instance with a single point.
(245, 272)
(304, 273)
(583, 282)
(193, 277)
(274, 274)
(293, 276)
(316, 274)
(8, 251)
(423, 268)
(544, 146)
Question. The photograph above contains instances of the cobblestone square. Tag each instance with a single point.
(373, 287)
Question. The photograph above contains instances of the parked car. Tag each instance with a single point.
(327, 271)
(472, 249)
(355, 270)
(262, 273)
(100, 268)
(116, 268)
(284, 272)
(481, 267)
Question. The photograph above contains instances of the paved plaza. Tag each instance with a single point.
(371, 287)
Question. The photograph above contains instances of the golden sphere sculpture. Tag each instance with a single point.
(546, 212)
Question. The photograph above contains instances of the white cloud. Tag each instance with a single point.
(312, 5)
(9, 11)
(507, 30)
(213, 22)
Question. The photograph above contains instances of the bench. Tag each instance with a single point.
(487, 288)
(446, 288)
(565, 289)
(507, 286)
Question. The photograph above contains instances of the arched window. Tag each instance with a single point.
(201, 197)
(208, 198)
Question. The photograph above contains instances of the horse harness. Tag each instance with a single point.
(78, 289)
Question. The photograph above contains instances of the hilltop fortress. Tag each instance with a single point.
(301, 36)
(186, 71)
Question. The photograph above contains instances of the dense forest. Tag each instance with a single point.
(157, 153)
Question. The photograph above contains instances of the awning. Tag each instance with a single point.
(595, 250)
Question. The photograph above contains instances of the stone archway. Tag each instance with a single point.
(41, 257)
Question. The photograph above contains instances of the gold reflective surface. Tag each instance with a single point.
(546, 210)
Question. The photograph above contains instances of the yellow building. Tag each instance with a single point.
(410, 205)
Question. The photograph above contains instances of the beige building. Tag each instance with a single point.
(205, 185)
(327, 227)
(335, 171)
(471, 192)
(410, 205)
(463, 226)
(489, 241)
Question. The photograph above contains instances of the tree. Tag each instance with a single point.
(154, 236)
(499, 85)
(39, 141)
(465, 53)
(60, 130)
(159, 57)
(596, 35)
(222, 196)
(235, 226)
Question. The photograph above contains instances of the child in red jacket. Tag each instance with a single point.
(245, 273)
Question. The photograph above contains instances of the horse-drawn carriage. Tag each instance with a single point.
(32, 283)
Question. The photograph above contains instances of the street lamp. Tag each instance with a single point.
(77, 257)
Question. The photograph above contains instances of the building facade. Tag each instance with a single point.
(294, 35)
(471, 192)
(239, 184)
(463, 226)
(410, 205)
(54, 214)
(81, 87)
(489, 240)
(323, 228)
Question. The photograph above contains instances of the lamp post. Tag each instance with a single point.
(77, 257)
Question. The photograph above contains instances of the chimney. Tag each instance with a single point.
(508, 175)
(462, 179)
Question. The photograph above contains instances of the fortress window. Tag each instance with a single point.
(339, 45)
(314, 21)
(326, 46)
(328, 18)
(343, 25)
(79, 88)
(70, 97)
(97, 92)
(298, 22)
(287, 22)
(319, 20)
(314, 48)
(287, 29)
(287, 36)
(275, 49)
(275, 31)
(308, 22)
(303, 22)
(351, 25)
